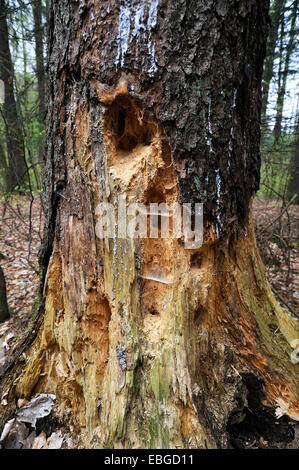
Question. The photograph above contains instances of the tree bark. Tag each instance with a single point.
(39, 56)
(41, 76)
(4, 311)
(158, 101)
(5, 173)
(283, 73)
(14, 135)
(293, 185)
(277, 14)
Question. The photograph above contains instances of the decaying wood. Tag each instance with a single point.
(159, 101)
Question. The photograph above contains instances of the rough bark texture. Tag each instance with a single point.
(14, 135)
(160, 101)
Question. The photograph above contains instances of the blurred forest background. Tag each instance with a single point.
(23, 103)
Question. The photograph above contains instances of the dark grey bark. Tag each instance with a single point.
(39, 56)
(277, 12)
(4, 311)
(40, 74)
(284, 70)
(293, 185)
(14, 134)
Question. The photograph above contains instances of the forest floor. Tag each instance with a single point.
(277, 231)
(21, 224)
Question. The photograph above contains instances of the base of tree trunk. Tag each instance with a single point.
(206, 360)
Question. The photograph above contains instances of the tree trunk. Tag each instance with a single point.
(277, 13)
(293, 185)
(283, 73)
(41, 77)
(14, 135)
(4, 312)
(144, 342)
(39, 56)
(5, 173)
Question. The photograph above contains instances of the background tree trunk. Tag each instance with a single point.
(293, 185)
(283, 72)
(5, 170)
(277, 13)
(159, 101)
(14, 135)
(40, 73)
(39, 55)
(4, 312)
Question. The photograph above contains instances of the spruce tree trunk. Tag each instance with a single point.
(13, 128)
(158, 101)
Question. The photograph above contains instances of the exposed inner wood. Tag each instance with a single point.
(140, 336)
